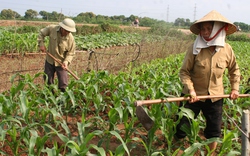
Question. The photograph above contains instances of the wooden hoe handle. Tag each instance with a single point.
(77, 78)
(157, 101)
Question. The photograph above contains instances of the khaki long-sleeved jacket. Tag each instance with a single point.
(63, 48)
(204, 72)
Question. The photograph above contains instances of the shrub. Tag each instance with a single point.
(238, 37)
(87, 30)
(110, 28)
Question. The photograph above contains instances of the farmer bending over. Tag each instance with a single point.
(62, 47)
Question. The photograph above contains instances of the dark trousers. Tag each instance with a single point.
(212, 113)
(62, 75)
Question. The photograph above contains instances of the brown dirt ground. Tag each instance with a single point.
(32, 64)
(186, 31)
(36, 61)
(72, 124)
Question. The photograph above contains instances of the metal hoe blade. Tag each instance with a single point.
(143, 117)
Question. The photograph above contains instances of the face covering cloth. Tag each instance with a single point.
(217, 40)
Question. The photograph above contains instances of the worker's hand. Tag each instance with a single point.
(193, 96)
(234, 94)
(43, 48)
(65, 66)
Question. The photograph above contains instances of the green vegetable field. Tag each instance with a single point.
(96, 114)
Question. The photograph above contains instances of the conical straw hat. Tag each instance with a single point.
(213, 16)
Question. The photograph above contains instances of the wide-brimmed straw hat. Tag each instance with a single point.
(213, 16)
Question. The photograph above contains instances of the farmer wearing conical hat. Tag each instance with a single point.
(202, 73)
(62, 47)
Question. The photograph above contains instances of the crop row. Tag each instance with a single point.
(27, 42)
(33, 123)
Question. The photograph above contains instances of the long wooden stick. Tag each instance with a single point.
(157, 101)
(77, 78)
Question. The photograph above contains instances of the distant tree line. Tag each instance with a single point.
(87, 17)
(91, 18)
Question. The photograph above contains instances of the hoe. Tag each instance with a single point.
(77, 78)
(148, 123)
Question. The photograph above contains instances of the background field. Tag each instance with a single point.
(98, 114)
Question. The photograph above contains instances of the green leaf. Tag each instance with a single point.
(120, 138)
(100, 150)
